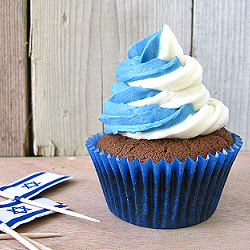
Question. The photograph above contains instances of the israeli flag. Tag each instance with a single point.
(15, 213)
(33, 184)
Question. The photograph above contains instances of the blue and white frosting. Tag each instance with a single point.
(159, 94)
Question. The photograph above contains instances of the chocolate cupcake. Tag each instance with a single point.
(165, 154)
(168, 148)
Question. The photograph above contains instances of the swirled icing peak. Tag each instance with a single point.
(159, 93)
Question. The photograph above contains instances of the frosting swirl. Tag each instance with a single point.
(159, 94)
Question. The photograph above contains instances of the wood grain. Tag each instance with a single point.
(228, 228)
(13, 78)
(76, 47)
(221, 44)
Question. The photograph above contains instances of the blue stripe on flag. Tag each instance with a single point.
(22, 181)
(14, 203)
(45, 186)
(29, 215)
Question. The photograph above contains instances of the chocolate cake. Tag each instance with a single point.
(165, 148)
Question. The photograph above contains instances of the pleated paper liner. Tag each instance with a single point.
(163, 195)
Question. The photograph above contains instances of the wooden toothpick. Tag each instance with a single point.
(41, 247)
(4, 228)
(30, 235)
(48, 207)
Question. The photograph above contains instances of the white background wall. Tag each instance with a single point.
(77, 45)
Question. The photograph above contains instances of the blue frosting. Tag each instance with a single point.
(131, 70)
(142, 63)
(119, 117)
(147, 48)
(130, 94)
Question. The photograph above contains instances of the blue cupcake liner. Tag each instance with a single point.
(162, 195)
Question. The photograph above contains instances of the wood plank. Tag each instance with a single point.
(76, 47)
(228, 227)
(14, 139)
(221, 45)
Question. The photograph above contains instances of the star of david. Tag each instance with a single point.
(19, 210)
(31, 184)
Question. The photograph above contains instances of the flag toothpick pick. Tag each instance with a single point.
(19, 194)
(57, 209)
(28, 187)
(45, 206)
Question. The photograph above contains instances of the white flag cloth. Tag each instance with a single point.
(15, 213)
(33, 184)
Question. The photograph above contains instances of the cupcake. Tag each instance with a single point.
(164, 156)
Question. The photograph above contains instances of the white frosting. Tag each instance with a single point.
(178, 88)
(215, 113)
(169, 46)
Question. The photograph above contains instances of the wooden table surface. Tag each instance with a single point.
(228, 228)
